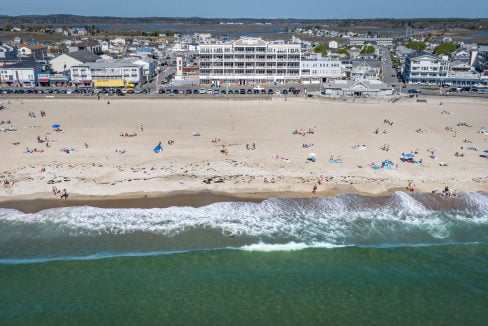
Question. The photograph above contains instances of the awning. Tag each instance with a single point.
(44, 80)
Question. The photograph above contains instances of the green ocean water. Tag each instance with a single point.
(424, 285)
(348, 260)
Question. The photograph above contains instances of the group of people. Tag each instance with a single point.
(388, 122)
(8, 183)
(386, 147)
(127, 134)
(447, 192)
(304, 132)
(62, 194)
(273, 180)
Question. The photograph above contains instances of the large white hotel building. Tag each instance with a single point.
(249, 61)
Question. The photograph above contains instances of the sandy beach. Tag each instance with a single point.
(87, 156)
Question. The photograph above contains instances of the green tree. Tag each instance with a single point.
(322, 49)
(367, 50)
(8, 27)
(445, 48)
(416, 45)
(342, 51)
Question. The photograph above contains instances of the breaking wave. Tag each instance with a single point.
(400, 219)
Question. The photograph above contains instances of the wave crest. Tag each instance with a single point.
(342, 220)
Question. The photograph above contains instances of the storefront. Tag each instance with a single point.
(52, 80)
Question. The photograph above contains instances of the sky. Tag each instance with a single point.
(302, 9)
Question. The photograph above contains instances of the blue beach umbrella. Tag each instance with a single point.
(56, 126)
(409, 156)
(485, 151)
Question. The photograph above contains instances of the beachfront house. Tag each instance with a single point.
(23, 73)
(365, 70)
(425, 68)
(316, 69)
(358, 88)
(428, 69)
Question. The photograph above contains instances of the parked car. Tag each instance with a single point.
(203, 91)
(195, 91)
(188, 92)
(242, 91)
(249, 91)
(270, 92)
(413, 91)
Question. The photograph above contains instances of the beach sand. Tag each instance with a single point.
(194, 164)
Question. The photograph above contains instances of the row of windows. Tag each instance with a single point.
(250, 64)
(249, 72)
(249, 50)
(249, 57)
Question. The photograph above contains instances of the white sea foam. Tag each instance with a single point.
(341, 220)
(290, 246)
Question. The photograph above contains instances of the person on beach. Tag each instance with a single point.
(314, 190)
(64, 194)
(410, 187)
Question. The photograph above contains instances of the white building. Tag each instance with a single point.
(7, 52)
(249, 61)
(23, 73)
(317, 69)
(365, 70)
(65, 61)
(359, 88)
(425, 68)
(86, 74)
(148, 66)
(333, 45)
(379, 41)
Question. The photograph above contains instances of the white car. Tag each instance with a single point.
(258, 88)
(203, 91)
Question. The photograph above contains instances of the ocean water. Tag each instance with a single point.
(401, 259)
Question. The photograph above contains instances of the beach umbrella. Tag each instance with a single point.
(312, 155)
(409, 155)
(485, 151)
(56, 126)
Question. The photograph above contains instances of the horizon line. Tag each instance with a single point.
(237, 18)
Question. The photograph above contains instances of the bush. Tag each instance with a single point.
(445, 48)
(416, 45)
